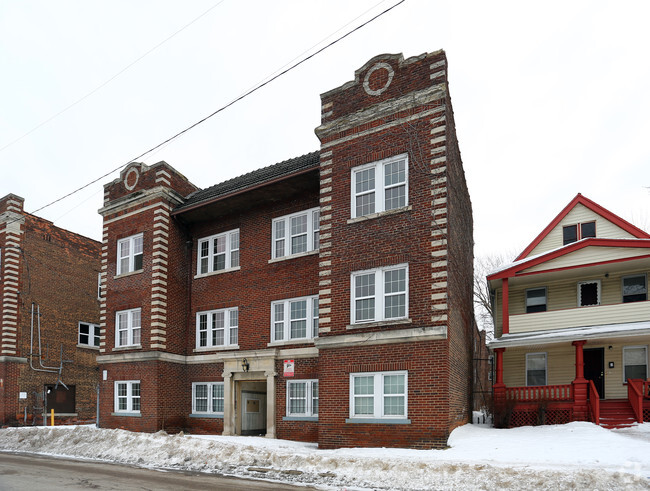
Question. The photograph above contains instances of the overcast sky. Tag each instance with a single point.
(550, 98)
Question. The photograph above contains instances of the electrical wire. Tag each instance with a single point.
(224, 107)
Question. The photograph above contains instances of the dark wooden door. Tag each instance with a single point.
(595, 368)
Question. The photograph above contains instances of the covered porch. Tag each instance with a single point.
(595, 373)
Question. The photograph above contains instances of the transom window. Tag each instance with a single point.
(207, 398)
(535, 369)
(295, 318)
(536, 300)
(127, 327)
(379, 395)
(380, 186)
(129, 254)
(302, 398)
(380, 294)
(635, 362)
(296, 233)
(88, 334)
(217, 328)
(588, 293)
(635, 288)
(218, 252)
(127, 396)
(573, 233)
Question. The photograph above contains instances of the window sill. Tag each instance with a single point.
(378, 421)
(130, 273)
(293, 256)
(290, 341)
(204, 349)
(381, 214)
(206, 416)
(387, 323)
(87, 346)
(125, 348)
(300, 418)
(131, 415)
(212, 273)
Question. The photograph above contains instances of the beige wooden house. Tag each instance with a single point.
(572, 322)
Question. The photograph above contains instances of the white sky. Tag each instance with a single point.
(550, 99)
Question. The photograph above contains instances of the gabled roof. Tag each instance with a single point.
(593, 206)
(251, 180)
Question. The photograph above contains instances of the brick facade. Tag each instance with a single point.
(53, 271)
(393, 108)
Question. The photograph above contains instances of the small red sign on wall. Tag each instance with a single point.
(289, 366)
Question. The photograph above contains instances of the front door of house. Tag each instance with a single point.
(595, 368)
(253, 413)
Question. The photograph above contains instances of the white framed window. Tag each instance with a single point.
(127, 327)
(535, 369)
(380, 186)
(218, 252)
(635, 288)
(207, 398)
(379, 395)
(588, 293)
(302, 398)
(379, 294)
(296, 233)
(294, 318)
(127, 396)
(216, 328)
(88, 334)
(635, 362)
(536, 300)
(129, 254)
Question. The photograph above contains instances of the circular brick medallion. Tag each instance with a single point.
(378, 79)
(131, 178)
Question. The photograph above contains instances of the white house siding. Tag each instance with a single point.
(580, 214)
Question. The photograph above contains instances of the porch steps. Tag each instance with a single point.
(616, 413)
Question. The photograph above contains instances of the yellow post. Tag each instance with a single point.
(52, 416)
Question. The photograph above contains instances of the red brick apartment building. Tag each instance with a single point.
(326, 298)
(53, 272)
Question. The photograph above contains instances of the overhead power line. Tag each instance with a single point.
(224, 107)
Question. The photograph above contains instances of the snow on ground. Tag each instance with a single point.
(572, 456)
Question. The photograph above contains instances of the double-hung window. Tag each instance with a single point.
(302, 398)
(296, 233)
(129, 254)
(380, 186)
(294, 318)
(536, 300)
(379, 395)
(216, 328)
(88, 334)
(535, 369)
(218, 252)
(635, 288)
(380, 294)
(207, 398)
(127, 396)
(127, 328)
(635, 362)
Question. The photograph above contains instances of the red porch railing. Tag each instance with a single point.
(635, 392)
(539, 393)
(646, 389)
(594, 403)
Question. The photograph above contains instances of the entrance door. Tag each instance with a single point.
(595, 368)
(253, 417)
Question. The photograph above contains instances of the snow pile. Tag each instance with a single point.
(572, 456)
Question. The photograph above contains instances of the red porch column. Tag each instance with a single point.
(499, 387)
(504, 307)
(580, 385)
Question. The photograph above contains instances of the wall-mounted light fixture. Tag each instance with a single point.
(609, 347)
(245, 365)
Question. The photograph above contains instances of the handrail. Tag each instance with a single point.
(635, 396)
(540, 392)
(594, 403)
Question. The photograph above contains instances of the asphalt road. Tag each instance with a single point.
(30, 472)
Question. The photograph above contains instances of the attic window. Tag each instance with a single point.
(570, 232)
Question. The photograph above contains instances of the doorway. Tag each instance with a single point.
(595, 368)
(252, 410)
